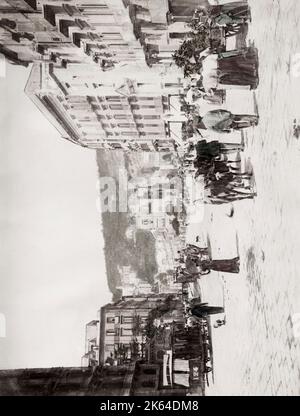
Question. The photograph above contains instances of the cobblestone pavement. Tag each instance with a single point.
(258, 351)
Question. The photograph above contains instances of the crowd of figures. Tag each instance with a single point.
(213, 136)
(194, 262)
(211, 70)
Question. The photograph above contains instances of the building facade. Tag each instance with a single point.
(161, 26)
(99, 111)
(66, 31)
(131, 285)
(109, 33)
(182, 353)
(84, 54)
(100, 29)
(134, 379)
(26, 36)
(158, 201)
(122, 328)
(91, 356)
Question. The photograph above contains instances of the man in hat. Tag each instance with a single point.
(224, 121)
(202, 310)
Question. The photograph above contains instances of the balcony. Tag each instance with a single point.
(50, 13)
(31, 3)
(71, 10)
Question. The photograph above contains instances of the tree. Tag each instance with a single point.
(134, 349)
(137, 325)
(166, 305)
(184, 58)
(187, 56)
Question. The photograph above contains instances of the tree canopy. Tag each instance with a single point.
(187, 56)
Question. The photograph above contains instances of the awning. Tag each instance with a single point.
(183, 379)
(167, 369)
(181, 365)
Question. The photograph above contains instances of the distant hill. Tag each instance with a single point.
(119, 250)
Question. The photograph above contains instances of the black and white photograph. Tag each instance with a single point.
(150, 198)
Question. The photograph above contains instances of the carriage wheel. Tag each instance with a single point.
(194, 250)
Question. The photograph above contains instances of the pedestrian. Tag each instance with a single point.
(195, 268)
(230, 69)
(208, 150)
(223, 121)
(226, 265)
(202, 310)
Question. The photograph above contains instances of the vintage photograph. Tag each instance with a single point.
(149, 213)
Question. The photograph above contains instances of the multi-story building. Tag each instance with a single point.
(27, 36)
(91, 356)
(179, 354)
(167, 284)
(84, 54)
(100, 111)
(109, 32)
(101, 29)
(121, 326)
(68, 31)
(161, 26)
(119, 334)
(182, 353)
(133, 379)
(167, 251)
(157, 203)
(19, 25)
(131, 285)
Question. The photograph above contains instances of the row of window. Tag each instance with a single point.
(132, 133)
(81, 104)
(124, 125)
(121, 107)
(124, 319)
(117, 332)
(126, 116)
(143, 146)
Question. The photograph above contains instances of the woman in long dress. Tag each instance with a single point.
(201, 310)
(239, 67)
(229, 69)
(226, 266)
(205, 266)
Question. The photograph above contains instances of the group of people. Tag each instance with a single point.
(207, 113)
(232, 15)
(220, 166)
(207, 151)
(195, 309)
(222, 70)
(194, 262)
(223, 179)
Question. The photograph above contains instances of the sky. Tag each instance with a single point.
(52, 270)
